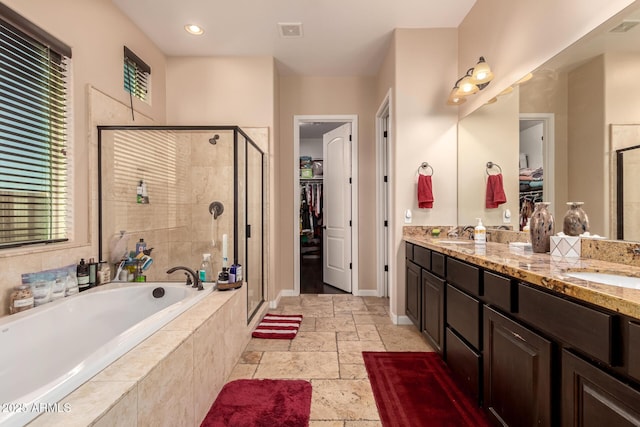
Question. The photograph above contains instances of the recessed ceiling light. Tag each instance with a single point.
(194, 29)
(290, 30)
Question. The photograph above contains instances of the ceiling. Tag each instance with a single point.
(339, 38)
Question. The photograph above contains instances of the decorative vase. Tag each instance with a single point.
(541, 228)
(576, 221)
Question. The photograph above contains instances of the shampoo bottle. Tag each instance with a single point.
(480, 233)
(205, 273)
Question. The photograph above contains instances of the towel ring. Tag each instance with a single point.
(490, 165)
(425, 166)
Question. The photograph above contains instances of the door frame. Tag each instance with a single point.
(384, 253)
(548, 153)
(295, 191)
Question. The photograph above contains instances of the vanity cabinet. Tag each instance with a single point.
(433, 309)
(425, 294)
(517, 372)
(530, 356)
(591, 397)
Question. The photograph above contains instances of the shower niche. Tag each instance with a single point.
(203, 193)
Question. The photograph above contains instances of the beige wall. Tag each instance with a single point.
(231, 91)
(425, 131)
(516, 37)
(327, 96)
(96, 31)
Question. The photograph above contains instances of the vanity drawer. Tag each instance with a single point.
(634, 350)
(463, 315)
(499, 291)
(579, 326)
(438, 264)
(464, 276)
(422, 257)
(409, 251)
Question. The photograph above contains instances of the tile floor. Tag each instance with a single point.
(327, 352)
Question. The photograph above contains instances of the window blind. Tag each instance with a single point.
(35, 206)
(137, 75)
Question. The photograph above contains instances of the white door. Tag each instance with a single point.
(336, 213)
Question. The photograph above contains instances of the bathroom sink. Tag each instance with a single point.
(607, 278)
(455, 242)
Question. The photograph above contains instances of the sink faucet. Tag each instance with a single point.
(194, 277)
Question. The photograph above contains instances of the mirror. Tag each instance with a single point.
(583, 93)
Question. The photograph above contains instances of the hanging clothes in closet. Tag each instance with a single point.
(311, 208)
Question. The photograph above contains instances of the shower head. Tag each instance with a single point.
(214, 139)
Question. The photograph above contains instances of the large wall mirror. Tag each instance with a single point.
(570, 107)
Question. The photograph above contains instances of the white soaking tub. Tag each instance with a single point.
(48, 351)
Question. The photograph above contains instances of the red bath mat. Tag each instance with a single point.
(261, 403)
(278, 326)
(416, 389)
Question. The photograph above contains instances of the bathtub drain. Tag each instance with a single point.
(158, 292)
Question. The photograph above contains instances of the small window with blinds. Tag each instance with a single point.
(137, 76)
(35, 206)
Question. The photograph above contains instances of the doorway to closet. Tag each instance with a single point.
(323, 152)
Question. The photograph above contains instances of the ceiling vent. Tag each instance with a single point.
(290, 30)
(624, 26)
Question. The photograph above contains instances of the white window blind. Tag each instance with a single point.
(137, 76)
(34, 152)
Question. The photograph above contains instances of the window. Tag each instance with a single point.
(34, 137)
(137, 76)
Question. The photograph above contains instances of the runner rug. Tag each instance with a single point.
(261, 403)
(278, 326)
(415, 389)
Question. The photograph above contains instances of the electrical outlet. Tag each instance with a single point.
(506, 216)
(407, 216)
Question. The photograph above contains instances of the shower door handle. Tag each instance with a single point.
(248, 231)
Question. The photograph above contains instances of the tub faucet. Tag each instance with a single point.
(194, 277)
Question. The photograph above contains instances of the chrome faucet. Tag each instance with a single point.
(190, 279)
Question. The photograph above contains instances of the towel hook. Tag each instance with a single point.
(490, 165)
(425, 166)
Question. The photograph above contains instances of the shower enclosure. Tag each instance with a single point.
(186, 191)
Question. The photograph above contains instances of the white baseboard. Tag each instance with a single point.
(283, 293)
(400, 320)
(367, 293)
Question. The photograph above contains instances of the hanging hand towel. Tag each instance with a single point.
(425, 192)
(495, 191)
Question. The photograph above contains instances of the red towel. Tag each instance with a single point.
(425, 192)
(495, 191)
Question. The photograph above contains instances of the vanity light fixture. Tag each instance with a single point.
(475, 79)
(194, 29)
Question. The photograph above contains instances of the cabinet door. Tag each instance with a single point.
(517, 372)
(433, 309)
(592, 398)
(412, 297)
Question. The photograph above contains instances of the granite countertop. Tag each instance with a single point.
(544, 270)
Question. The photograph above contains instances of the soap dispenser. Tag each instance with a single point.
(480, 233)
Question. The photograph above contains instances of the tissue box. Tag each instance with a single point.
(565, 246)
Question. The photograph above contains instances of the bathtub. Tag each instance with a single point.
(50, 350)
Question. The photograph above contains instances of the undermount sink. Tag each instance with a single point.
(455, 242)
(607, 278)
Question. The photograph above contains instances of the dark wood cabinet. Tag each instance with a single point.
(517, 373)
(433, 318)
(412, 298)
(593, 398)
(530, 356)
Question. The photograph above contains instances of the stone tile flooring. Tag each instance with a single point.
(328, 352)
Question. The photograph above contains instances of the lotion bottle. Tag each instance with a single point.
(480, 233)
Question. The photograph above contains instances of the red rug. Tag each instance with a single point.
(261, 403)
(416, 389)
(278, 326)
